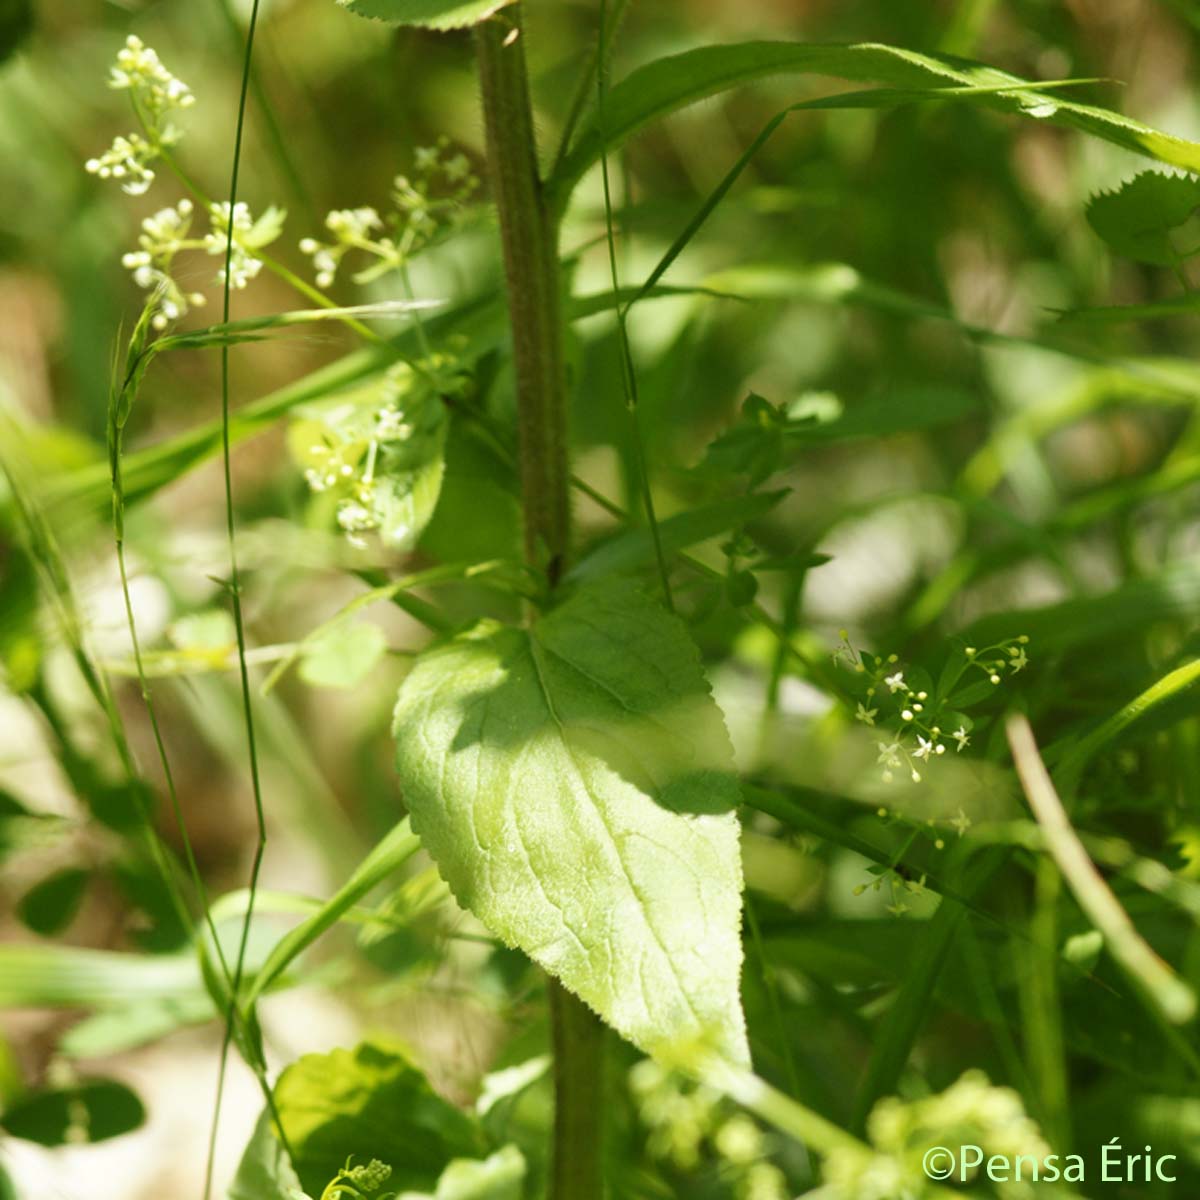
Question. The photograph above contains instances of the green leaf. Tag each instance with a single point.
(51, 904)
(477, 515)
(265, 230)
(53, 976)
(119, 806)
(159, 927)
(20, 640)
(753, 447)
(265, 1172)
(90, 1112)
(380, 452)
(672, 83)
(16, 24)
(497, 1177)
(634, 548)
(572, 782)
(343, 656)
(431, 14)
(365, 1103)
(20, 828)
(903, 409)
(1136, 220)
(121, 1029)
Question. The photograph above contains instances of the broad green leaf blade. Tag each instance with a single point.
(369, 1103)
(634, 548)
(431, 14)
(572, 782)
(1138, 219)
(672, 83)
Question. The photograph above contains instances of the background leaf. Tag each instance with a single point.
(51, 904)
(365, 1103)
(16, 24)
(634, 548)
(572, 783)
(91, 1112)
(343, 655)
(432, 14)
(264, 1172)
(497, 1177)
(1137, 220)
(671, 83)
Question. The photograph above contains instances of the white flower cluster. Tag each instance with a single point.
(156, 95)
(139, 70)
(921, 728)
(351, 228)
(127, 159)
(165, 234)
(248, 235)
(433, 198)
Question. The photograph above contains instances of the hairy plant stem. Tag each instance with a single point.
(529, 236)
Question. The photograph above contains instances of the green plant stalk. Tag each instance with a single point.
(1172, 997)
(529, 238)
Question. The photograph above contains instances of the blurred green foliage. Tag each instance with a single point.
(923, 380)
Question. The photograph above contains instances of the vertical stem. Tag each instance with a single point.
(577, 1161)
(529, 236)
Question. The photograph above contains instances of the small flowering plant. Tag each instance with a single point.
(378, 452)
(435, 198)
(432, 200)
(167, 233)
(157, 96)
(917, 719)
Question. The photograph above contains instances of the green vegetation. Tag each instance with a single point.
(595, 608)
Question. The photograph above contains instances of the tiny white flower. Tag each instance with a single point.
(924, 748)
(895, 682)
(961, 737)
(865, 715)
(961, 822)
(1018, 658)
(889, 754)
